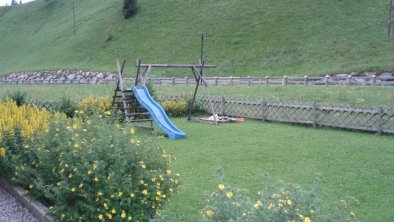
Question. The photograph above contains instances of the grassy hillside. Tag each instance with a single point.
(251, 37)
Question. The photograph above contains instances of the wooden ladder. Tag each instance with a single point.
(125, 101)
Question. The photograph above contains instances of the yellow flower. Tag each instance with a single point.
(109, 216)
(145, 192)
(76, 145)
(123, 215)
(132, 131)
(132, 140)
(120, 194)
(108, 113)
(289, 202)
(99, 193)
(270, 206)
(209, 213)
(229, 194)
(31, 186)
(307, 219)
(129, 218)
(113, 211)
(2, 152)
(132, 195)
(89, 172)
(100, 217)
(80, 185)
(96, 179)
(221, 186)
(75, 126)
(106, 206)
(352, 214)
(73, 189)
(168, 172)
(258, 205)
(94, 166)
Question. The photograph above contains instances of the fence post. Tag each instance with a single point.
(267, 80)
(187, 80)
(314, 115)
(263, 107)
(249, 81)
(231, 80)
(173, 81)
(380, 120)
(216, 80)
(349, 79)
(160, 81)
(284, 81)
(306, 80)
(373, 79)
(223, 108)
(326, 80)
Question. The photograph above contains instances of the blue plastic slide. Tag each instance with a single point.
(157, 113)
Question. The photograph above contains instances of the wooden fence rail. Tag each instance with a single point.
(367, 119)
(327, 80)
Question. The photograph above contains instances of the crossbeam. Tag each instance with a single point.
(175, 65)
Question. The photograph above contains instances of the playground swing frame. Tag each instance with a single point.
(143, 73)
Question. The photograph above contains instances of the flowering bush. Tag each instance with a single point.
(288, 202)
(18, 127)
(86, 169)
(175, 108)
(92, 105)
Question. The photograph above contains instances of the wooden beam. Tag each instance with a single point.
(176, 65)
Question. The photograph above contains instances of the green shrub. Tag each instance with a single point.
(283, 202)
(130, 8)
(198, 107)
(18, 96)
(65, 105)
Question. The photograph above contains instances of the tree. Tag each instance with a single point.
(130, 8)
(13, 2)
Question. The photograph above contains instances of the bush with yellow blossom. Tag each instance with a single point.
(92, 105)
(282, 202)
(18, 126)
(84, 169)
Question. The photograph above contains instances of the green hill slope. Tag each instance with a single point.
(250, 37)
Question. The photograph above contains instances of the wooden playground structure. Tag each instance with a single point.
(125, 101)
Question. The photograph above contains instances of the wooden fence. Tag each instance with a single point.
(379, 120)
(366, 119)
(327, 80)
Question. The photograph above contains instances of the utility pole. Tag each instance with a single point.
(74, 16)
(204, 35)
(389, 25)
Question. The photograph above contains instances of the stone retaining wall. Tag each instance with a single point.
(50, 75)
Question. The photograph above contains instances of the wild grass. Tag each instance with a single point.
(251, 37)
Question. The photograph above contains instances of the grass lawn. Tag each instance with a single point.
(352, 164)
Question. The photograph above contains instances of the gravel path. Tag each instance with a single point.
(11, 210)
